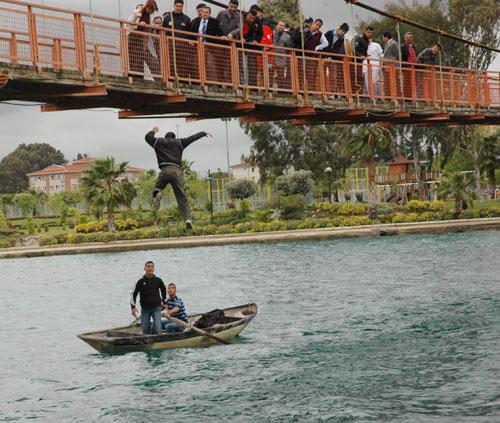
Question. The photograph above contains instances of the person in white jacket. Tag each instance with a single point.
(375, 55)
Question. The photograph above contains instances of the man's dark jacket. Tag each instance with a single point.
(405, 53)
(169, 150)
(213, 27)
(149, 290)
(361, 44)
(181, 21)
(337, 47)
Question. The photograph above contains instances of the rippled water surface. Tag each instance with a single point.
(400, 329)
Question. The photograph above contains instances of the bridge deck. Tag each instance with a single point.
(70, 60)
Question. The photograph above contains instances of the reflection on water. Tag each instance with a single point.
(377, 329)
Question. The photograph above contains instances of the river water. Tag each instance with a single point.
(399, 329)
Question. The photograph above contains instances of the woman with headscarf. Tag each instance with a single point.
(138, 50)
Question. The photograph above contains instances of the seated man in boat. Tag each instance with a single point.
(153, 297)
(175, 308)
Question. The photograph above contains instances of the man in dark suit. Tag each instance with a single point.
(334, 74)
(215, 57)
(409, 55)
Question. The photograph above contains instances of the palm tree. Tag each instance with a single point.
(368, 143)
(105, 185)
(455, 185)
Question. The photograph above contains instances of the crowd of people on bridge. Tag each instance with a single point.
(368, 57)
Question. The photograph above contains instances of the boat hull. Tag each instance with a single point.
(130, 338)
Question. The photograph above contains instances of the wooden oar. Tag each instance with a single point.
(198, 330)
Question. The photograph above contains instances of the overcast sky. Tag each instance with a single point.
(100, 133)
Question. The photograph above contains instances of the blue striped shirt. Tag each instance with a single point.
(177, 302)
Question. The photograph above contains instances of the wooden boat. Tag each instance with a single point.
(131, 338)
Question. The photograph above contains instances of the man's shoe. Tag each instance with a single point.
(157, 201)
(189, 225)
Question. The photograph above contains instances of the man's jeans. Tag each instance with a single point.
(148, 327)
(171, 327)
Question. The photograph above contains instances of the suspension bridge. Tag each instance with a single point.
(71, 60)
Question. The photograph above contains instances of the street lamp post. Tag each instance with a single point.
(329, 172)
(211, 197)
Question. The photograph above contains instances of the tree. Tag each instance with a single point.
(491, 159)
(26, 202)
(456, 182)
(300, 182)
(369, 143)
(7, 201)
(241, 189)
(145, 186)
(282, 146)
(287, 11)
(41, 198)
(104, 185)
(26, 158)
(472, 20)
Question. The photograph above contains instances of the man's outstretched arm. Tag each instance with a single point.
(150, 137)
(187, 141)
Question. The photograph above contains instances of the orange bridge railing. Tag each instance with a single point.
(62, 40)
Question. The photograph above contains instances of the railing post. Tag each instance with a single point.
(432, 88)
(234, 65)
(471, 89)
(164, 57)
(487, 92)
(13, 49)
(322, 79)
(33, 36)
(202, 68)
(80, 46)
(452, 86)
(414, 83)
(57, 55)
(265, 70)
(347, 78)
(392, 81)
(294, 73)
(370, 90)
(124, 49)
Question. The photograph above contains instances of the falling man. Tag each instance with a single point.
(169, 154)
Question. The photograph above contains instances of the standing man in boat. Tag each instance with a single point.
(175, 308)
(169, 152)
(153, 297)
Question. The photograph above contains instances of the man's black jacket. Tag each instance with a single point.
(149, 290)
(169, 150)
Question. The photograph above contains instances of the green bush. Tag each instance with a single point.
(244, 208)
(300, 182)
(5, 243)
(241, 189)
(47, 240)
(77, 238)
(262, 215)
(327, 207)
(352, 209)
(293, 206)
(492, 211)
(3, 220)
(102, 226)
(31, 227)
(83, 219)
(355, 221)
(418, 206)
